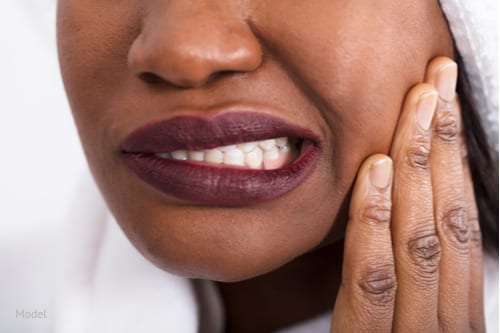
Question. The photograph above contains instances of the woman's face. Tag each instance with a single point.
(336, 69)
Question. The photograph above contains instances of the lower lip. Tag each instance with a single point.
(217, 185)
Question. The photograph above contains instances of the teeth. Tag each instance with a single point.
(227, 148)
(284, 149)
(282, 142)
(272, 159)
(254, 158)
(234, 157)
(267, 144)
(265, 154)
(164, 155)
(214, 156)
(248, 146)
(196, 156)
(272, 154)
(179, 155)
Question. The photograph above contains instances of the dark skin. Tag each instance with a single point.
(301, 289)
(350, 71)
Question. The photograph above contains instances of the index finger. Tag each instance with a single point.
(365, 301)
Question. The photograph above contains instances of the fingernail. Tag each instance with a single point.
(425, 109)
(381, 173)
(446, 82)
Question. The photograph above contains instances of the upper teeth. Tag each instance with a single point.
(267, 154)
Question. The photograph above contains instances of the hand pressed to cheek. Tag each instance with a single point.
(433, 245)
(406, 257)
(443, 285)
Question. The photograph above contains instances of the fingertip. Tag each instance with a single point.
(381, 171)
(373, 161)
(416, 92)
(438, 65)
(446, 81)
(375, 173)
(378, 170)
(421, 94)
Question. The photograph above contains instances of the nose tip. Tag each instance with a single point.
(187, 53)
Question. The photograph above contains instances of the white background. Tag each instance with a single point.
(40, 163)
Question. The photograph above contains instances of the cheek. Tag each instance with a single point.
(355, 62)
(93, 48)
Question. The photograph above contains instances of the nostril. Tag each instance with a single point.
(218, 75)
(151, 78)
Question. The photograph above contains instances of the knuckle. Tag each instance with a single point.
(456, 227)
(378, 285)
(417, 154)
(425, 252)
(377, 210)
(446, 126)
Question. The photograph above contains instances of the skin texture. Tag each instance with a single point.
(340, 68)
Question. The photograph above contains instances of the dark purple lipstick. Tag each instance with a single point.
(219, 185)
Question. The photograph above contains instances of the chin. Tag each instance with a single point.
(222, 248)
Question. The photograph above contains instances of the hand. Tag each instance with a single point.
(413, 256)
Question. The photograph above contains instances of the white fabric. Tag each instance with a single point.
(109, 286)
(491, 306)
(474, 24)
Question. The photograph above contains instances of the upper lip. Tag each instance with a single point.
(202, 132)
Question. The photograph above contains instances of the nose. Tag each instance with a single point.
(187, 44)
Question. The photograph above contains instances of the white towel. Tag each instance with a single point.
(474, 24)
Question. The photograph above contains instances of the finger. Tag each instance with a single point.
(449, 200)
(476, 303)
(365, 301)
(416, 245)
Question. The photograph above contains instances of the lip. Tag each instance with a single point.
(216, 185)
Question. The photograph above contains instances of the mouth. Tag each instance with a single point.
(230, 159)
